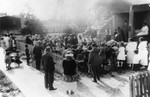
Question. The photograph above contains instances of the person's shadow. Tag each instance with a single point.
(108, 89)
(82, 88)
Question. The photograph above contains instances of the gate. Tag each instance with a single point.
(140, 84)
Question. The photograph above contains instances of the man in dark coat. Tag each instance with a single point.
(49, 67)
(95, 62)
(28, 40)
(125, 32)
(37, 51)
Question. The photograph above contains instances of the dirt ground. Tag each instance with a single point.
(7, 88)
(112, 84)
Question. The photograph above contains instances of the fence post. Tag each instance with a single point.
(148, 80)
(140, 85)
(131, 85)
(137, 86)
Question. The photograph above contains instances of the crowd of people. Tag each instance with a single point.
(78, 55)
(8, 43)
(90, 57)
(86, 57)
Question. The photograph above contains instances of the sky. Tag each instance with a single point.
(46, 9)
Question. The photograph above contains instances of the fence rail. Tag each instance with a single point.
(140, 84)
(57, 58)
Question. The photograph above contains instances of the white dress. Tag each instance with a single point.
(7, 42)
(143, 52)
(3, 44)
(149, 64)
(131, 46)
(136, 59)
(121, 55)
(144, 31)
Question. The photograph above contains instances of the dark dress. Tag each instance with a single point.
(69, 67)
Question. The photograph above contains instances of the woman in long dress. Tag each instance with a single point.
(144, 53)
(70, 76)
(130, 48)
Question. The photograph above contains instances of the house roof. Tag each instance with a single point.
(137, 2)
(123, 6)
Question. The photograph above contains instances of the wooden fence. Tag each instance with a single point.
(140, 84)
(57, 58)
(21, 47)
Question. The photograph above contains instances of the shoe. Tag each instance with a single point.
(67, 92)
(94, 81)
(72, 92)
(53, 89)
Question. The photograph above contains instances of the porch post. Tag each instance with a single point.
(131, 16)
(113, 26)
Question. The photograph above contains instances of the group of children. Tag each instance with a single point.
(132, 57)
(12, 57)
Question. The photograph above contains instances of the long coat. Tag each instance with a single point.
(94, 57)
(48, 63)
(49, 68)
(37, 51)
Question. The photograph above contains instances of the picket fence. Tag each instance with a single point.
(140, 84)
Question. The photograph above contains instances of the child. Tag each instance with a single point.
(136, 61)
(121, 55)
(8, 60)
(27, 54)
(14, 44)
(17, 58)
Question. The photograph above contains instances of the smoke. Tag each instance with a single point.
(74, 9)
(46, 9)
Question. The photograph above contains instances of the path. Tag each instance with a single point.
(31, 82)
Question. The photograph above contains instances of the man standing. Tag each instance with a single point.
(94, 62)
(49, 67)
(125, 32)
(37, 51)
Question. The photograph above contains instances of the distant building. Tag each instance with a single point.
(10, 24)
(3, 14)
(54, 26)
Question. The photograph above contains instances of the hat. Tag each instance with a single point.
(69, 55)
